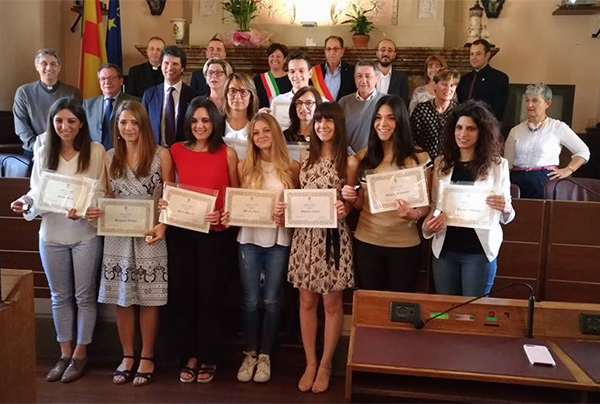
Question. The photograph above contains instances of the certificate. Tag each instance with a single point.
(187, 209)
(310, 208)
(298, 151)
(464, 206)
(250, 207)
(60, 193)
(408, 184)
(125, 217)
(280, 109)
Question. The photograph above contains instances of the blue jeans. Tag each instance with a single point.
(254, 260)
(531, 183)
(463, 274)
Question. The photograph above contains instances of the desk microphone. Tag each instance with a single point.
(529, 332)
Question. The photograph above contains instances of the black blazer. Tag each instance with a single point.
(491, 87)
(399, 85)
(153, 100)
(198, 83)
(141, 78)
(347, 85)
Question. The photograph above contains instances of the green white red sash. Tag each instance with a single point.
(270, 85)
(318, 82)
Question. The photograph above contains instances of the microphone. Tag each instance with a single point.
(568, 179)
(419, 324)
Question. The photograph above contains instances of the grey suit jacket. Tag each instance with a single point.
(94, 110)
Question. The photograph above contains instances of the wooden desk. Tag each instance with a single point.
(17, 338)
(480, 359)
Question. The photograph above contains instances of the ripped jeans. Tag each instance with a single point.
(273, 262)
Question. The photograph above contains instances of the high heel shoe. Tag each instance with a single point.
(145, 377)
(123, 376)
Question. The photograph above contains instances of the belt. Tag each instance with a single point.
(534, 168)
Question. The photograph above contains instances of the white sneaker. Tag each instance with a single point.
(263, 369)
(246, 371)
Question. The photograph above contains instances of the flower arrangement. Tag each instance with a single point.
(252, 37)
(357, 18)
(243, 11)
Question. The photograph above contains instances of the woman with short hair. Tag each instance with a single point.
(432, 65)
(533, 147)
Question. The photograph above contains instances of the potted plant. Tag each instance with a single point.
(361, 27)
(243, 11)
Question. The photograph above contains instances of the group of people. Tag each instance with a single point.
(354, 121)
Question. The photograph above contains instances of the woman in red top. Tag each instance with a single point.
(202, 263)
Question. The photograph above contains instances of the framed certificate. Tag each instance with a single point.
(314, 208)
(187, 209)
(60, 193)
(125, 217)
(280, 109)
(298, 151)
(464, 206)
(250, 207)
(408, 184)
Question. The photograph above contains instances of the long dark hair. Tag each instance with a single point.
(82, 142)
(487, 148)
(215, 140)
(402, 143)
(330, 110)
(291, 133)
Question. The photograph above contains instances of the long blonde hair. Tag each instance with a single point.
(252, 172)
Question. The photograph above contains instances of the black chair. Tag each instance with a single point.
(515, 191)
(573, 189)
(15, 165)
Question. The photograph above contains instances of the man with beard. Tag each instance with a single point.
(391, 81)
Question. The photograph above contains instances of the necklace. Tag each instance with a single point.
(532, 127)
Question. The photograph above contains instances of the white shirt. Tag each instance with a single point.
(280, 109)
(542, 148)
(176, 95)
(241, 134)
(383, 85)
(55, 227)
(373, 95)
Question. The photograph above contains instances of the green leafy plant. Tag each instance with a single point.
(360, 24)
(243, 11)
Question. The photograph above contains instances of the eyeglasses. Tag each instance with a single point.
(109, 78)
(215, 73)
(232, 92)
(334, 49)
(308, 104)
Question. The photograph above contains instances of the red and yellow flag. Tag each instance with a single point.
(93, 50)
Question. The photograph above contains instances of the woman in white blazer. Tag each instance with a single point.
(465, 258)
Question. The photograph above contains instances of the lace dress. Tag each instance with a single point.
(133, 272)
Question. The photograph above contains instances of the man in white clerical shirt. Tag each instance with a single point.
(391, 81)
(360, 106)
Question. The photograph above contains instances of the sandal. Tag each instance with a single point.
(192, 372)
(125, 374)
(146, 376)
(206, 374)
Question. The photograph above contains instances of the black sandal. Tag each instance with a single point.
(147, 376)
(192, 372)
(126, 374)
(206, 370)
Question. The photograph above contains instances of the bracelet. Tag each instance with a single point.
(570, 168)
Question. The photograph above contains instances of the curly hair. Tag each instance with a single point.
(487, 148)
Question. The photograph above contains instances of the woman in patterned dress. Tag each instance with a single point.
(321, 262)
(134, 269)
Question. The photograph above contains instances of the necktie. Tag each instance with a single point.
(472, 86)
(170, 128)
(106, 132)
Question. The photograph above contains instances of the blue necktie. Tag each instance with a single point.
(170, 128)
(107, 141)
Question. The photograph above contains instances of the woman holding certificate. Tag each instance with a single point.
(134, 269)
(387, 247)
(467, 233)
(268, 167)
(202, 262)
(321, 261)
(69, 247)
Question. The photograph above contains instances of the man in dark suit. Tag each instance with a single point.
(215, 48)
(166, 103)
(334, 78)
(100, 110)
(146, 75)
(391, 81)
(484, 83)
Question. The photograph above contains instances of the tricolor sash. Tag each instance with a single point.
(270, 85)
(318, 82)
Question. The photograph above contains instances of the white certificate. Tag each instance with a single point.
(464, 206)
(187, 209)
(310, 208)
(60, 193)
(298, 151)
(408, 184)
(280, 109)
(125, 217)
(240, 146)
(250, 207)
